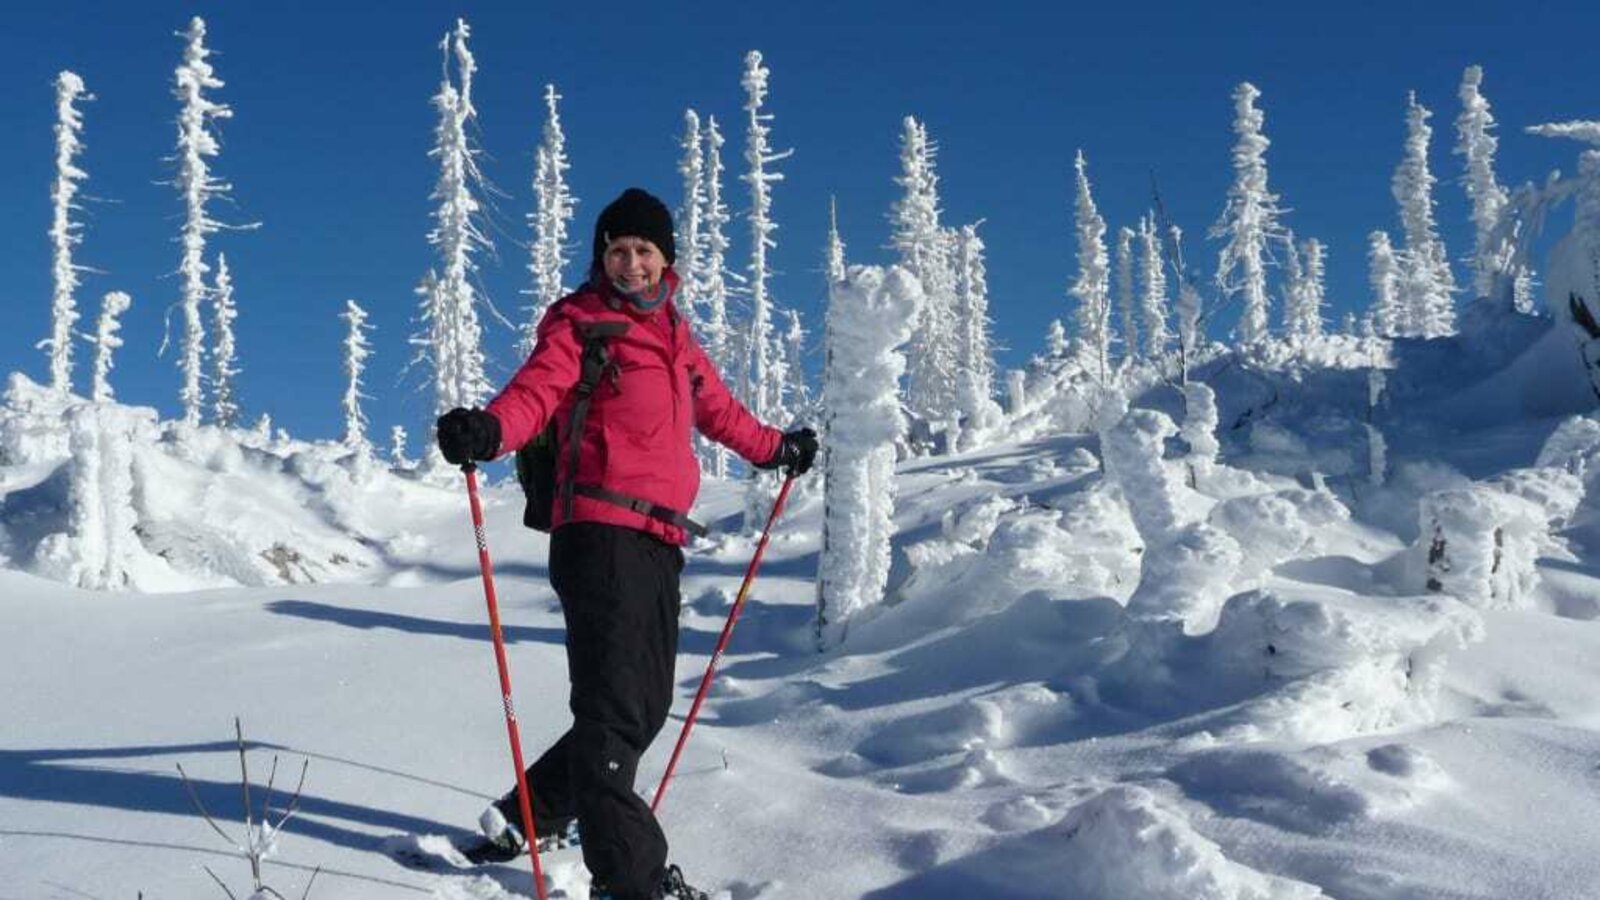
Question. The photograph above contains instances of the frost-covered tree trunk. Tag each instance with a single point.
(64, 232)
(554, 208)
(713, 291)
(106, 342)
(356, 352)
(1389, 317)
(761, 383)
(1093, 284)
(224, 355)
(924, 252)
(1491, 256)
(199, 187)
(870, 315)
(1250, 218)
(1426, 289)
(1125, 295)
(1152, 291)
(451, 344)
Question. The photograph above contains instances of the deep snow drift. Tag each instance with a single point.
(1116, 659)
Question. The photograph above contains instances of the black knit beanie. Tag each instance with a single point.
(634, 214)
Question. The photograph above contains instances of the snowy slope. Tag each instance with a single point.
(1253, 694)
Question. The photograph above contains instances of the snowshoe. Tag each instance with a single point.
(672, 887)
(502, 839)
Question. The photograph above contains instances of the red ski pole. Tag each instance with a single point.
(722, 642)
(505, 677)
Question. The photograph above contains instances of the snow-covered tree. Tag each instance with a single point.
(761, 384)
(1055, 340)
(835, 254)
(1199, 429)
(1575, 261)
(1152, 291)
(691, 242)
(199, 187)
(924, 251)
(870, 315)
(64, 232)
(1250, 218)
(713, 290)
(974, 361)
(1316, 291)
(1303, 290)
(1477, 143)
(794, 349)
(1188, 307)
(1125, 296)
(356, 352)
(106, 341)
(553, 212)
(1093, 284)
(224, 354)
(1426, 283)
(451, 341)
(1389, 317)
(397, 447)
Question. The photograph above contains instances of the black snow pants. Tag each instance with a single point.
(619, 594)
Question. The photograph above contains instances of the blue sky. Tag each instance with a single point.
(332, 124)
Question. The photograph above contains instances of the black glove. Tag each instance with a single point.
(796, 452)
(468, 434)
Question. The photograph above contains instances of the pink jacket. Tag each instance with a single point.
(636, 440)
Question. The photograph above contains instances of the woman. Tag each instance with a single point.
(626, 477)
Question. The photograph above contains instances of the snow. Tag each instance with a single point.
(1122, 659)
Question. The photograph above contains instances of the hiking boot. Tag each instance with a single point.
(504, 837)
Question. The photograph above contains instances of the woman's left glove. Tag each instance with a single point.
(796, 452)
(468, 434)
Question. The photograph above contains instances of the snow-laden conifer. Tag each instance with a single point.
(1389, 317)
(1250, 218)
(1314, 256)
(1152, 291)
(691, 242)
(1093, 284)
(1055, 340)
(1575, 261)
(224, 353)
(356, 352)
(196, 142)
(794, 350)
(64, 232)
(1426, 283)
(1126, 301)
(762, 385)
(834, 260)
(451, 341)
(870, 315)
(554, 207)
(924, 251)
(713, 291)
(1477, 143)
(1199, 429)
(106, 341)
(397, 447)
(975, 360)
(1188, 305)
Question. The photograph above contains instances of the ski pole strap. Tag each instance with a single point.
(643, 507)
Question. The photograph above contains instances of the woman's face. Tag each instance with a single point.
(634, 264)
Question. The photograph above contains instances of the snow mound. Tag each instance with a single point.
(1124, 843)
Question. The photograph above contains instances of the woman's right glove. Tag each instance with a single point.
(796, 452)
(468, 434)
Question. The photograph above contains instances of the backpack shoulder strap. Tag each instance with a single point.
(596, 362)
